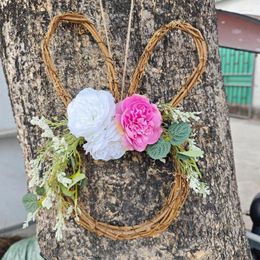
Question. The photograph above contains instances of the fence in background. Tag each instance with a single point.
(238, 74)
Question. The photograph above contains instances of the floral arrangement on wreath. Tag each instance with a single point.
(106, 131)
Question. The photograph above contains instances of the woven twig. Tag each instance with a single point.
(180, 187)
(149, 228)
(157, 36)
(52, 71)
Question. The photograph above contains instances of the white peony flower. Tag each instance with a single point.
(106, 146)
(90, 112)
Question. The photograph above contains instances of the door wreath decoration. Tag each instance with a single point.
(106, 126)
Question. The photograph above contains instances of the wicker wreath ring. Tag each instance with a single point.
(180, 187)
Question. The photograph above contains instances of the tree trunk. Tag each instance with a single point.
(131, 189)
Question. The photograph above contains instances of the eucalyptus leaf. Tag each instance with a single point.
(179, 132)
(159, 150)
(30, 202)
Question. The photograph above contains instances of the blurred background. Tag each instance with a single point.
(239, 48)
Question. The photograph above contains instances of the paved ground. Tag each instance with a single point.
(12, 183)
(246, 139)
(246, 142)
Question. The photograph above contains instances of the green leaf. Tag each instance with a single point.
(30, 202)
(179, 133)
(159, 150)
(27, 248)
(67, 192)
(182, 157)
(83, 183)
(194, 152)
(77, 177)
(40, 191)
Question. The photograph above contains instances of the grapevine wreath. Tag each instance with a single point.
(106, 126)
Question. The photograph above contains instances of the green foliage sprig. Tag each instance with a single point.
(55, 174)
(177, 139)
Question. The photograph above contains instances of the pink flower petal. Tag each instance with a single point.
(140, 121)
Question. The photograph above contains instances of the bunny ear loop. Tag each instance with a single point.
(180, 187)
(140, 68)
(85, 23)
(157, 36)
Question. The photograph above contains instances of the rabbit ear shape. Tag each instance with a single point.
(157, 36)
(52, 71)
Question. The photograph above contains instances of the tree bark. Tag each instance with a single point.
(133, 188)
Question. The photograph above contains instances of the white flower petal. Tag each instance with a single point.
(90, 111)
(106, 145)
(91, 115)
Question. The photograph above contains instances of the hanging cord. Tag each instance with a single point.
(105, 26)
(127, 47)
(127, 40)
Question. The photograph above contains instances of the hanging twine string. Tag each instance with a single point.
(127, 47)
(127, 40)
(105, 26)
(180, 187)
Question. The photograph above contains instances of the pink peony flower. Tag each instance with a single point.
(140, 122)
